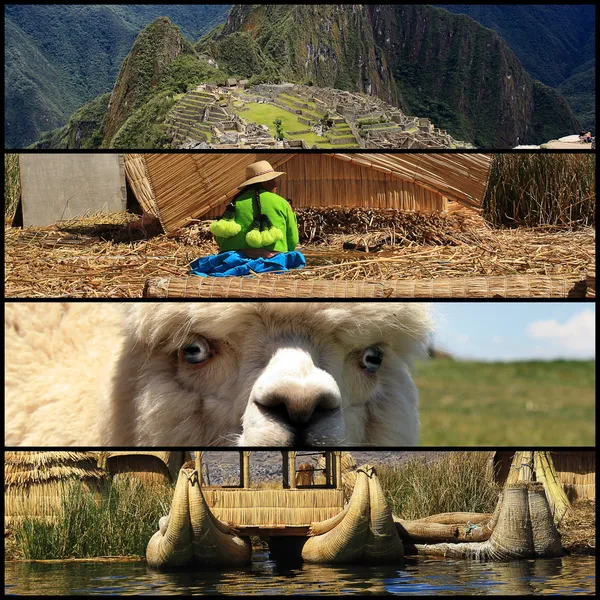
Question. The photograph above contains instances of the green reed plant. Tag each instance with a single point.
(541, 189)
(452, 482)
(117, 522)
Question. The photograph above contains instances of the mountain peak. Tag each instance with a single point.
(153, 51)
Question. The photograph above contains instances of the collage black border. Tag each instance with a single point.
(584, 301)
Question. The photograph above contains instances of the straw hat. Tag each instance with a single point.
(260, 171)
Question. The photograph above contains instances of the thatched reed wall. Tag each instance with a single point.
(575, 468)
(322, 180)
(186, 186)
(34, 481)
(274, 507)
(180, 187)
(146, 467)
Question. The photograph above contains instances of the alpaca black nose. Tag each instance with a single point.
(296, 407)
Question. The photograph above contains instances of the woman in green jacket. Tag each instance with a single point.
(258, 231)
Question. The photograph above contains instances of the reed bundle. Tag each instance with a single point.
(524, 286)
(541, 189)
(555, 493)
(90, 260)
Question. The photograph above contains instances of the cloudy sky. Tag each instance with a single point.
(514, 331)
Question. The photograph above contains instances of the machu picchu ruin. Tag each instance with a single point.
(238, 116)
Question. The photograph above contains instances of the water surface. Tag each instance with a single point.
(568, 575)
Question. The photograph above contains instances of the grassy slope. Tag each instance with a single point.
(521, 403)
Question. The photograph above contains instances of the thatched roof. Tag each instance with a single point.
(25, 468)
(460, 177)
(180, 187)
(172, 461)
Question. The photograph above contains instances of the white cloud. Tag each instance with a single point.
(574, 337)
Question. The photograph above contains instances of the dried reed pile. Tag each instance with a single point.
(274, 507)
(94, 257)
(98, 257)
(34, 482)
(394, 227)
(541, 189)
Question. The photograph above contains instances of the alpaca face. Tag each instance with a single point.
(269, 374)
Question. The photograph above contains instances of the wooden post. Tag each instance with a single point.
(292, 469)
(338, 469)
(198, 461)
(245, 468)
(328, 469)
(286, 469)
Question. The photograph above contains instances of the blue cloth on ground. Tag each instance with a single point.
(233, 263)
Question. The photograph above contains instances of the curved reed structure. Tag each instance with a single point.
(524, 529)
(363, 532)
(192, 535)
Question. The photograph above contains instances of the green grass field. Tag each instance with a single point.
(265, 114)
(521, 403)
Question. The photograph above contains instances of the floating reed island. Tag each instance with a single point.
(406, 226)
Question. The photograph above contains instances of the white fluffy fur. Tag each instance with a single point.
(100, 374)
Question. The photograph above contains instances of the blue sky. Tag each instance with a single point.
(515, 331)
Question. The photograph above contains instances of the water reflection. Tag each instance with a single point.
(569, 575)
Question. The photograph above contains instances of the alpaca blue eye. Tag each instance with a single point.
(372, 359)
(197, 352)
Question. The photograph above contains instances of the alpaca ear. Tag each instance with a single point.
(122, 409)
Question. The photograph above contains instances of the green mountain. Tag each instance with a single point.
(430, 62)
(554, 42)
(328, 45)
(580, 92)
(160, 66)
(57, 57)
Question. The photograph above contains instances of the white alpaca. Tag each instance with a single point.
(212, 373)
